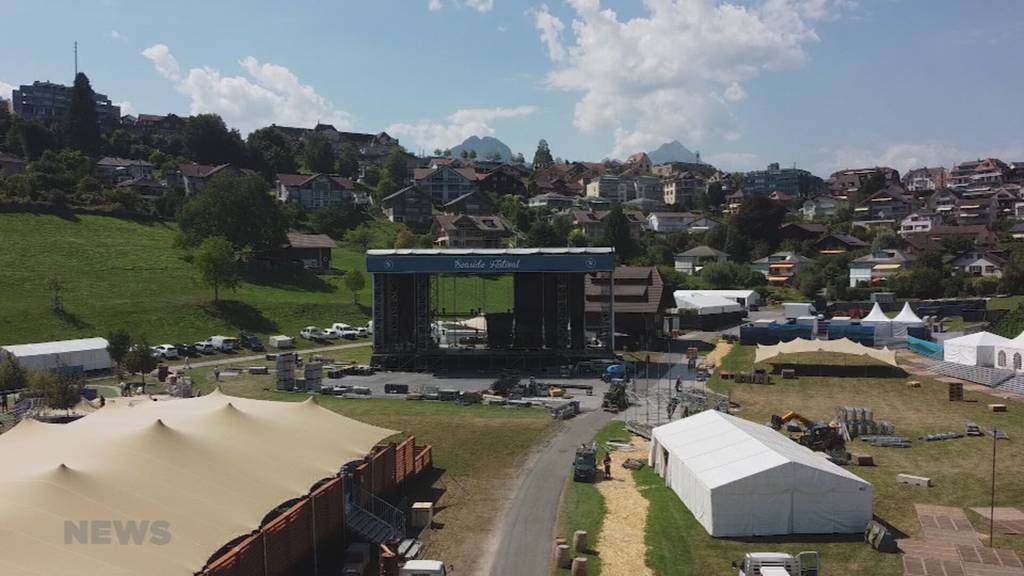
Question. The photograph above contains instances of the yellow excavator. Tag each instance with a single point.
(819, 436)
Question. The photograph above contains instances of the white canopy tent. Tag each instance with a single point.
(881, 322)
(978, 349)
(86, 354)
(740, 478)
(1010, 356)
(706, 304)
(905, 319)
(745, 298)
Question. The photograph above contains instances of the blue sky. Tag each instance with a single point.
(823, 84)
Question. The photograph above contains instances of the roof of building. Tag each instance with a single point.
(674, 215)
(56, 347)
(638, 289)
(847, 239)
(467, 173)
(200, 170)
(211, 467)
(703, 252)
(403, 192)
(115, 162)
(495, 224)
(787, 256)
(882, 257)
(297, 240)
(299, 180)
(467, 196)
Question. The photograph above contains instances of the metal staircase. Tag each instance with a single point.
(374, 519)
(1014, 384)
(992, 377)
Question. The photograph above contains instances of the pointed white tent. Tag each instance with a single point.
(978, 349)
(905, 319)
(740, 478)
(881, 322)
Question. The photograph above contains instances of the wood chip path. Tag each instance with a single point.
(621, 546)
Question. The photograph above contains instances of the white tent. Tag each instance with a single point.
(905, 319)
(978, 349)
(740, 478)
(87, 354)
(706, 304)
(1010, 356)
(881, 322)
(745, 298)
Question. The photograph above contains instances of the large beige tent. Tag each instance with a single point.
(841, 346)
(210, 468)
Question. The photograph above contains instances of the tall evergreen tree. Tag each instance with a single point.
(82, 126)
(617, 235)
(542, 157)
(317, 155)
(270, 152)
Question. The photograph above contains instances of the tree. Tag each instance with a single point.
(140, 360)
(119, 342)
(759, 219)
(736, 244)
(371, 176)
(348, 161)
(355, 281)
(30, 139)
(405, 239)
(438, 152)
(716, 196)
(495, 156)
(13, 375)
(56, 288)
(61, 388)
(725, 275)
(385, 187)
(334, 220)
(360, 236)
(472, 154)
(83, 129)
(237, 208)
(317, 155)
(542, 157)
(209, 141)
(464, 154)
(270, 152)
(617, 235)
(216, 265)
(543, 235)
(1013, 273)
(578, 239)
(518, 159)
(885, 239)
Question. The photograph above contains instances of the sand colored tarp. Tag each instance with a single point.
(211, 468)
(841, 346)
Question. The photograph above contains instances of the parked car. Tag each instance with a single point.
(340, 326)
(165, 351)
(186, 349)
(223, 343)
(250, 341)
(312, 333)
(331, 334)
(363, 332)
(205, 347)
(369, 327)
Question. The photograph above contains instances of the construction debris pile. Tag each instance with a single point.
(859, 421)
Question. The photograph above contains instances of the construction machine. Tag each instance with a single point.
(615, 398)
(779, 564)
(820, 436)
(584, 466)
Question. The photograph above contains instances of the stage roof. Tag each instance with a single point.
(490, 261)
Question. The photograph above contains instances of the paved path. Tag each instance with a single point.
(236, 359)
(521, 545)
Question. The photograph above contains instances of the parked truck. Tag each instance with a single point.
(779, 564)
(423, 568)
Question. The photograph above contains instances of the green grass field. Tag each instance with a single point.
(123, 274)
(960, 469)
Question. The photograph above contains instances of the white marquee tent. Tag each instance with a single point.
(745, 298)
(1010, 356)
(881, 322)
(905, 319)
(740, 478)
(978, 349)
(706, 304)
(87, 354)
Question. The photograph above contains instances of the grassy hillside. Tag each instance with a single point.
(122, 274)
(119, 273)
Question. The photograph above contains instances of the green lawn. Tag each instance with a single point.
(959, 469)
(582, 506)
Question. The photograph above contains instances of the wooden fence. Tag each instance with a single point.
(390, 466)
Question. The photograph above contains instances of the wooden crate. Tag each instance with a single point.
(956, 392)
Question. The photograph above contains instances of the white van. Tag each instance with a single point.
(223, 343)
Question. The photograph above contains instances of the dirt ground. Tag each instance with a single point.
(621, 544)
(714, 358)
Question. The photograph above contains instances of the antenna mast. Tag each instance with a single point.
(76, 58)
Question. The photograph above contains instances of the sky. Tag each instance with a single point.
(819, 84)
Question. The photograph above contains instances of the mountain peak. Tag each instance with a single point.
(672, 151)
(484, 147)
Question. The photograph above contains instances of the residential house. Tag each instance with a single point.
(466, 231)
(980, 211)
(919, 222)
(475, 203)
(1017, 232)
(936, 238)
(644, 188)
(641, 162)
(821, 207)
(848, 183)
(505, 180)
(640, 299)
(988, 171)
(669, 170)
(310, 251)
(924, 181)
(410, 206)
(885, 207)
(666, 222)
(608, 187)
(980, 263)
(144, 187)
(780, 267)
(194, 177)
(801, 231)
(944, 202)
(793, 182)
(567, 179)
(644, 205)
(154, 125)
(593, 226)
(876, 268)
(10, 165)
(1006, 198)
(703, 224)
(1016, 173)
(115, 170)
(50, 103)
(734, 201)
(836, 243)
(444, 183)
(552, 201)
(693, 260)
(314, 191)
(787, 201)
(683, 189)
(372, 148)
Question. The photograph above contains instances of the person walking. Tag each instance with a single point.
(3, 402)
(188, 364)
(607, 466)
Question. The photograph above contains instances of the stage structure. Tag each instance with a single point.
(545, 326)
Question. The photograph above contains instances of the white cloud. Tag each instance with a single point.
(115, 35)
(674, 71)
(5, 90)
(478, 5)
(460, 125)
(268, 94)
(126, 108)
